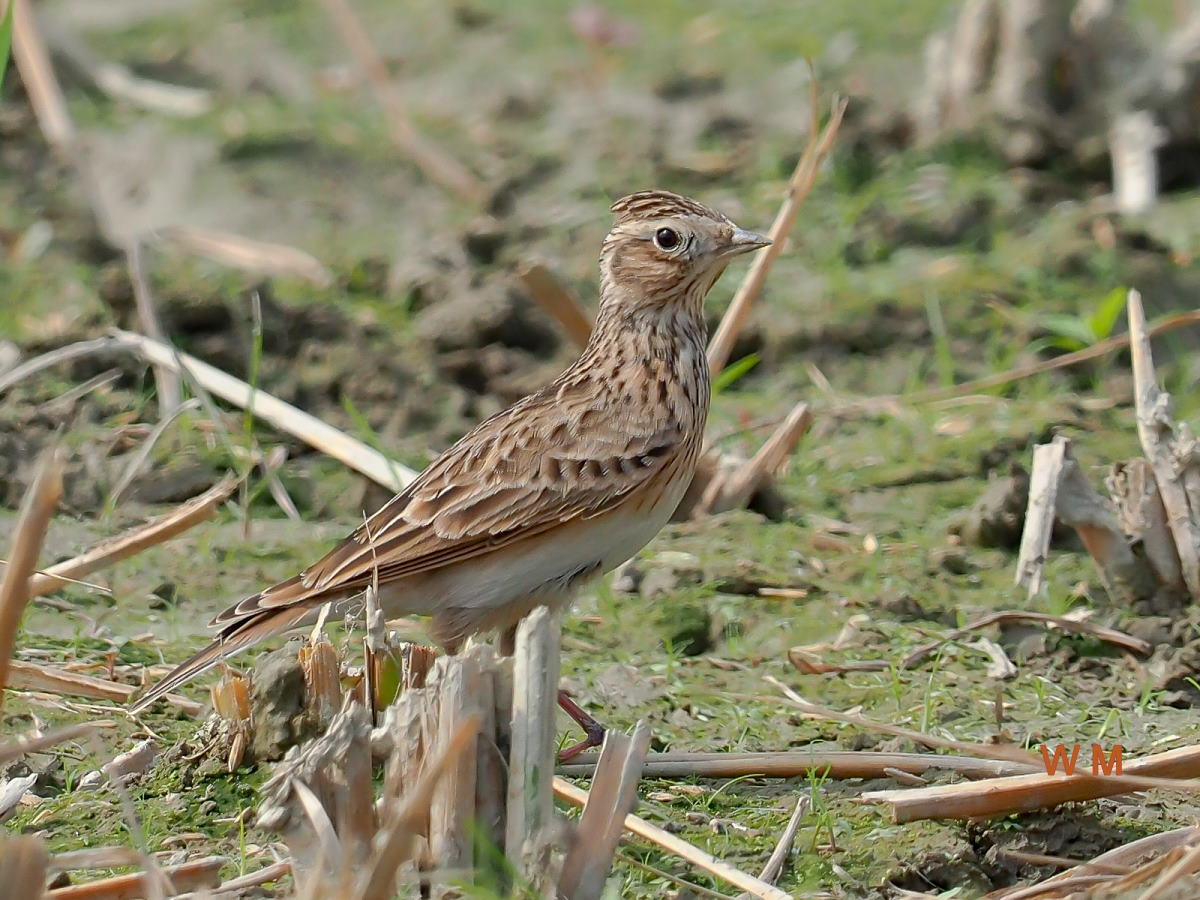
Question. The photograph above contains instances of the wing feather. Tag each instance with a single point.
(498, 485)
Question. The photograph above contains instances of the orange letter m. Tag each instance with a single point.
(1060, 758)
(1111, 764)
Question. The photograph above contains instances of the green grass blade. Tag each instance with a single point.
(1072, 328)
(370, 435)
(943, 353)
(1107, 313)
(733, 373)
(6, 38)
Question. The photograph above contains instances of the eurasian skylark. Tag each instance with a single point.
(566, 484)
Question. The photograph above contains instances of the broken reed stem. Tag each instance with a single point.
(284, 416)
(190, 876)
(992, 797)
(168, 384)
(439, 166)
(613, 797)
(402, 820)
(734, 490)
(51, 358)
(1061, 862)
(29, 676)
(1102, 632)
(95, 858)
(236, 886)
(119, 83)
(1143, 519)
(783, 848)
(30, 531)
(772, 454)
(756, 887)
(1048, 461)
(1156, 432)
(24, 862)
(1185, 865)
(246, 254)
(1123, 857)
(37, 75)
(162, 528)
(465, 692)
(986, 751)
(65, 401)
(1123, 572)
(798, 188)
(21, 746)
(530, 823)
(139, 457)
(554, 297)
(836, 764)
(374, 645)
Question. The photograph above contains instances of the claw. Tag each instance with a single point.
(592, 729)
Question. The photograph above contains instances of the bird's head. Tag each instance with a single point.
(664, 248)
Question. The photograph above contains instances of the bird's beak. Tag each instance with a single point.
(743, 241)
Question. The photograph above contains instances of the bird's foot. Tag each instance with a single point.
(592, 728)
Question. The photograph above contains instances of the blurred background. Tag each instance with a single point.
(336, 200)
(964, 221)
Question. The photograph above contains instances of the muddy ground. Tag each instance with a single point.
(908, 268)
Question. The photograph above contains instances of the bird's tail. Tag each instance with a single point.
(232, 641)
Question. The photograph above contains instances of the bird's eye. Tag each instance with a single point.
(666, 239)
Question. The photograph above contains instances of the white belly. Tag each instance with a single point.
(542, 568)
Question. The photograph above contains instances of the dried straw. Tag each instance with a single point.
(820, 143)
(284, 416)
(30, 531)
(554, 297)
(756, 887)
(438, 165)
(238, 252)
(162, 528)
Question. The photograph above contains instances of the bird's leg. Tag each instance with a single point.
(593, 730)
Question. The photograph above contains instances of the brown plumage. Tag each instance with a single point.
(567, 483)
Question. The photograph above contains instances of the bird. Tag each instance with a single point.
(564, 485)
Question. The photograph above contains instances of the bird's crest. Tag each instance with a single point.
(658, 204)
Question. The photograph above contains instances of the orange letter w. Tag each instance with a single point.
(1060, 757)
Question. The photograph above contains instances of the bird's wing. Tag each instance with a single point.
(555, 457)
(558, 456)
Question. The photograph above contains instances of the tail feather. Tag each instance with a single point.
(232, 641)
